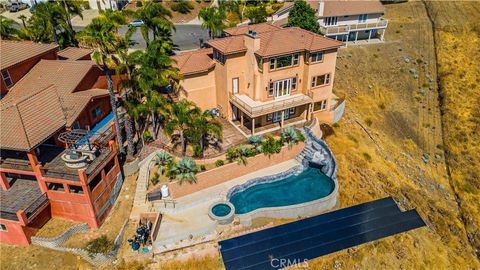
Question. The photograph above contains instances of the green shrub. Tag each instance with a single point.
(139, 3)
(219, 163)
(182, 6)
(291, 136)
(240, 153)
(367, 156)
(155, 178)
(368, 121)
(162, 159)
(203, 168)
(271, 146)
(336, 125)
(100, 245)
(184, 170)
(86, 5)
(147, 136)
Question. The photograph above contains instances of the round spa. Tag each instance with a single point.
(222, 212)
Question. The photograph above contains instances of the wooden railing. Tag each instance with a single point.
(277, 105)
(344, 29)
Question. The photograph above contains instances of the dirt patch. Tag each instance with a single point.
(185, 18)
(54, 227)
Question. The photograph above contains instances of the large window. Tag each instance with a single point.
(55, 186)
(321, 80)
(97, 112)
(260, 63)
(282, 87)
(331, 21)
(316, 57)
(220, 57)
(75, 189)
(284, 61)
(6, 78)
(362, 18)
(320, 106)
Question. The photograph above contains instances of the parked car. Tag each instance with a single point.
(17, 6)
(136, 23)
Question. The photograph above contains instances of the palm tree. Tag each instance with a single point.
(52, 15)
(163, 158)
(102, 37)
(291, 136)
(72, 7)
(204, 128)
(184, 170)
(213, 20)
(7, 31)
(156, 18)
(24, 19)
(181, 119)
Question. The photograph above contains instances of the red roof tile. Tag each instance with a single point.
(196, 61)
(14, 52)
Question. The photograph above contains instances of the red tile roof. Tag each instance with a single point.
(243, 29)
(349, 7)
(293, 39)
(14, 52)
(43, 102)
(29, 120)
(229, 45)
(72, 53)
(196, 61)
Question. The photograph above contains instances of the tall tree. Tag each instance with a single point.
(204, 128)
(256, 14)
(181, 119)
(303, 16)
(75, 8)
(156, 18)
(23, 18)
(102, 37)
(213, 18)
(7, 30)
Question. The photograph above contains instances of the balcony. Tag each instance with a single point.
(334, 30)
(23, 194)
(254, 108)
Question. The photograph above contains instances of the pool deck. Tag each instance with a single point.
(190, 215)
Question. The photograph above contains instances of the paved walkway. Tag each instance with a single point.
(190, 217)
(140, 204)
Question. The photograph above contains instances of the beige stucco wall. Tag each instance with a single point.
(353, 19)
(200, 88)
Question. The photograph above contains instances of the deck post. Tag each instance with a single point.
(4, 182)
(346, 42)
(369, 35)
(356, 36)
(383, 34)
(241, 118)
(253, 126)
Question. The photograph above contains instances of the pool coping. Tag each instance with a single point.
(289, 211)
(222, 220)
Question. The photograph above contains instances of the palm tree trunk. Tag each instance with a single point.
(69, 22)
(128, 125)
(182, 140)
(113, 103)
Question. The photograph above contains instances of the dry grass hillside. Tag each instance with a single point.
(458, 53)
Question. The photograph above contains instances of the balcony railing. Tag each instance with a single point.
(345, 29)
(270, 106)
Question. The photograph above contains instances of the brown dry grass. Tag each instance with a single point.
(184, 18)
(458, 50)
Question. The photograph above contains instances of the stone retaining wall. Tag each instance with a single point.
(233, 170)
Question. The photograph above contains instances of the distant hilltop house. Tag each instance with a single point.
(345, 20)
(57, 140)
(262, 77)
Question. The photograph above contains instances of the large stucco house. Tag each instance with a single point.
(263, 77)
(346, 20)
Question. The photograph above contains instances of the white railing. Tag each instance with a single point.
(344, 29)
(269, 107)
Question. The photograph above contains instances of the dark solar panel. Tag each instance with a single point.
(319, 235)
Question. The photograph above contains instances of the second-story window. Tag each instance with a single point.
(6, 78)
(96, 112)
(219, 56)
(362, 18)
(317, 57)
(260, 63)
(321, 80)
(331, 21)
(284, 61)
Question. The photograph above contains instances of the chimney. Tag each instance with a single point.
(321, 7)
(252, 41)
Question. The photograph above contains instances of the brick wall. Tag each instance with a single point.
(232, 170)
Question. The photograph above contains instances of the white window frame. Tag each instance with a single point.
(330, 21)
(315, 56)
(326, 80)
(295, 60)
(6, 77)
(323, 105)
(362, 18)
(235, 85)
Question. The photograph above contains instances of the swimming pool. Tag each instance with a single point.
(309, 185)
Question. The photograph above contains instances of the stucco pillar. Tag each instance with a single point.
(22, 217)
(241, 118)
(369, 35)
(356, 36)
(253, 126)
(4, 182)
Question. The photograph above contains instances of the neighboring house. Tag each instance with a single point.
(72, 53)
(262, 77)
(17, 58)
(40, 175)
(107, 4)
(344, 20)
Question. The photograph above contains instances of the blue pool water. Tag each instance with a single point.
(221, 210)
(309, 185)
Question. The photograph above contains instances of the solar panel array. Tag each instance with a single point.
(320, 235)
